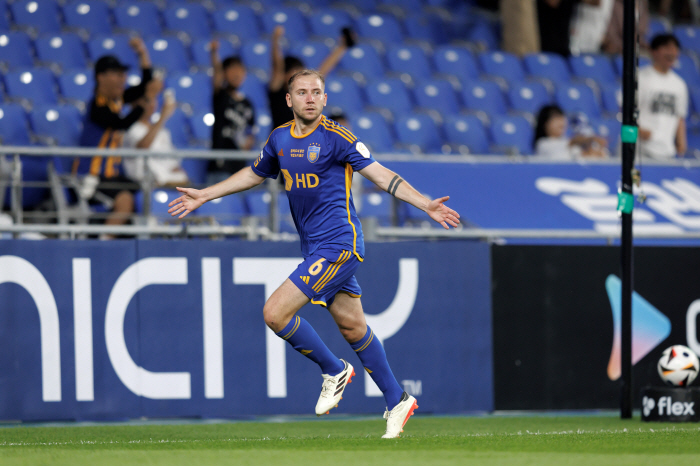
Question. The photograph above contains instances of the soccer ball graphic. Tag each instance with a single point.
(678, 366)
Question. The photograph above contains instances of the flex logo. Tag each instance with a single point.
(667, 406)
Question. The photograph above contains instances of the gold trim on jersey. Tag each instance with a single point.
(330, 272)
(291, 130)
(347, 135)
(322, 303)
(348, 185)
(280, 126)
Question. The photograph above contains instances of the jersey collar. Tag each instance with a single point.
(291, 128)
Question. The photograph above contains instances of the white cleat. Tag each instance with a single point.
(397, 417)
(332, 389)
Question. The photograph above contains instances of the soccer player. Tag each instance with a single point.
(317, 158)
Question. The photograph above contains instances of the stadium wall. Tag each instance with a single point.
(125, 329)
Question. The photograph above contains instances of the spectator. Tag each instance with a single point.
(663, 102)
(554, 18)
(103, 127)
(520, 29)
(589, 25)
(284, 68)
(144, 134)
(551, 139)
(234, 115)
(612, 41)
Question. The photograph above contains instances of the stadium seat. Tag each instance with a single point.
(656, 26)
(178, 125)
(687, 69)
(694, 96)
(609, 128)
(611, 97)
(364, 59)
(466, 131)
(140, 17)
(239, 20)
(4, 21)
(76, 85)
(574, 98)
(201, 123)
(502, 64)
(191, 88)
(227, 210)
(41, 16)
(196, 170)
(201, 55)
(408, 6)
(168, 53)
(528, 97)
(457, 61)
(548, 66)
(511, 134)
(256, 54)
(371, 128)
(689, 37)
(256, 91)
(484, 96)
(436, 94)
(92, 16)
(390, 93)
(418, 130)
(328, 22)
(595, 67)
(35, 85)
(483, 33)
(61, 123)
(425, 28)
(191, 18)
(643, 61)
(116, 44)
(312, 53)
(344, 94)
(66, 50)
(258, 202)
(382, 27)
(13, 125)
(263, 121)
(15, 50)
(409, 59)
(377, 204)
(292, 19)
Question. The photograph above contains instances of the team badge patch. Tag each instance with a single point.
(313, 152)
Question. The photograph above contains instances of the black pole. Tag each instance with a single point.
(626, 199)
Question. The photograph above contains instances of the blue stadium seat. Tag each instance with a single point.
(485, 34)
(62, 123)
(694, 96)
(418, 130)
(239, 20)
(344, 93)
(595, 67)
(312, 53)
(390, 93)
(574, 98)
(436, 94)
(409, 59)
(656, 26)
(689, 37)
(484, 96)
(643, 61)
(141, 17)
(117, 45)
(41, 16)
(13, 125)
(33, 84)
(191, 18)
(201, 123)
(66, 50)
(609, 128)
(382, 27)
(687, 69)
(201, 56)
(4, 22)
(328, 22)
(371, 128)
(457, 61)
(257, 55)
(547, 66)
(408, 6)
(426, 28)
(263, 120)
(511, 134)
(178, 125)
(295, 27)
(194, 89)
(258, 202)
(364, 59)
(91, 15)
(256, 91)
(467, 131)
(15, 49)
(227, 210)
(502, 64)
(528, 97)
(168, 53)
(196, 170)
(377, 204)
(611, 97)
(77, 85)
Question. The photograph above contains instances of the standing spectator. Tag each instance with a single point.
(663, 102)
(554, 18)
(520, 29)
(103, 127)
(589, 25)
(612, 41)
(154, 136)
(234, 115)
(551, 140)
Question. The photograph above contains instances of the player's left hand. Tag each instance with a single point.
(442, 214)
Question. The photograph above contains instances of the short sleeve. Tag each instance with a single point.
(357, 155)
(267, 165)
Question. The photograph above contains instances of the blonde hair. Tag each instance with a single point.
(306, 72)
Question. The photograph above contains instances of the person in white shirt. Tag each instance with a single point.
(663, 102)
(154, 136)
(552, 141)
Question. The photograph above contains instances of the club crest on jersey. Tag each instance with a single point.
(313, 152)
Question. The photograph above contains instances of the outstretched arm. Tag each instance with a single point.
(277, 75)
(397, 187)
(217, 77)
(191, 199)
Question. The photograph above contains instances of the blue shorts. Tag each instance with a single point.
(320, 279)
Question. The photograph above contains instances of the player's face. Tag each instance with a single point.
(665, 56)
(307, 98)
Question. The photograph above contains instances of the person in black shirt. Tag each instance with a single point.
(234, 115)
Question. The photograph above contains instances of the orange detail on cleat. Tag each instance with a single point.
(328, 412)
(351, 376)
(410, 413)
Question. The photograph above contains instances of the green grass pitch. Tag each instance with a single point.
(427, 440)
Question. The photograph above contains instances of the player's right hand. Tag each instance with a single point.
(190, 200)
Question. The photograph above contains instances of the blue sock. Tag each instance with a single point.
(371, 353)
(302, 336)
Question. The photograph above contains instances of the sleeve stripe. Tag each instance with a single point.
(344, 130)
(341, 134)
(280, 126)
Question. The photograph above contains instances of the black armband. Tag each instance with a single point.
(392, 187)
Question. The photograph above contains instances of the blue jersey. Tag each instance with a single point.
(317, 170)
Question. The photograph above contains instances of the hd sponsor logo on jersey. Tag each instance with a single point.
(313, 152)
